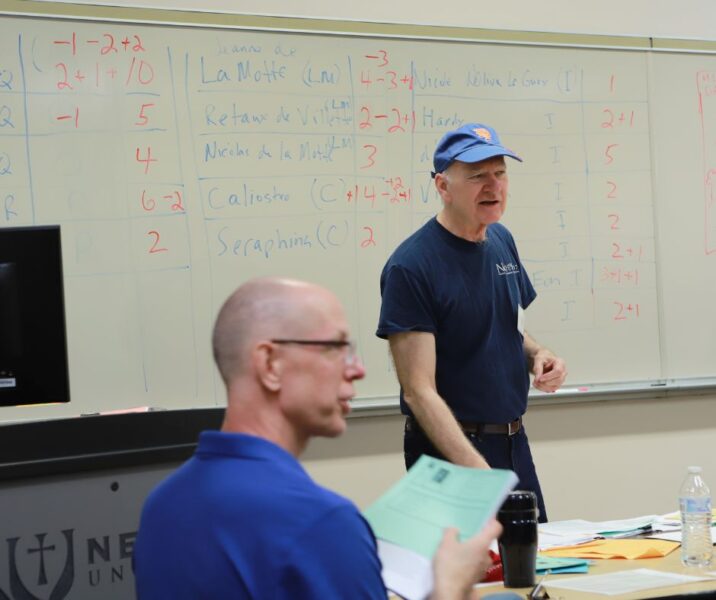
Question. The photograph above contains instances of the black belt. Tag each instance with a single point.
(479, 428)
(500, 428)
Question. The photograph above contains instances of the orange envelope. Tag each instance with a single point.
(643, 548)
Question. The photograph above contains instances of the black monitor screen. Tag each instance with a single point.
(33, 341)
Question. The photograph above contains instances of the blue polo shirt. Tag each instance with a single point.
(242, 519)
(467, 295)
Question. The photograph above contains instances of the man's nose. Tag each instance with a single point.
(355, 370)
(491, 180)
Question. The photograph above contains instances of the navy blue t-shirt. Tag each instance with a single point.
(467, 294)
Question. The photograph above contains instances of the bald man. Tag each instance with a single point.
(241, 518)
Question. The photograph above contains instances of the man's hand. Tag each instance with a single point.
(549, 371)
(457, 566)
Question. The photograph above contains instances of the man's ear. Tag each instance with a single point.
(441, 185)
(267, 365)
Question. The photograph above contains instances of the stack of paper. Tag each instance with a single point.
(410, 518)
(577, 531)
(598, 528)
(668, 527)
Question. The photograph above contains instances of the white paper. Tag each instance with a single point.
(675, 536)
(579, 527)
(548, 540)
(624, 582)
(405, 572)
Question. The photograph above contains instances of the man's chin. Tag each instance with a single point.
(335, 423)
(337, 429)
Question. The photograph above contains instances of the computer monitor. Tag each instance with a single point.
(33, 339)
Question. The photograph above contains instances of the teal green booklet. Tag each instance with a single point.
(409, 519)
(550, 564)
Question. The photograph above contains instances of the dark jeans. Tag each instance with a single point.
(500, 451)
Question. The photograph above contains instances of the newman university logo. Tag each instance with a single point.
(509, 268)
(56, 590)
(61, 566)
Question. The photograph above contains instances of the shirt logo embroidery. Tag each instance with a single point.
(507, 269)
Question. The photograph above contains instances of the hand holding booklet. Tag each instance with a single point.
(409, 519)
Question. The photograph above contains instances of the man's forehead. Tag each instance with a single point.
(339, 329)
(328, 316)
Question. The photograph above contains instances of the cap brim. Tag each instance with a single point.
(483, 152)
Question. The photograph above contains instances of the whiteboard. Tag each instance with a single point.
(181, 161)
(685, 122)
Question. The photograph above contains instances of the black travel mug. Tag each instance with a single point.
(518, 542)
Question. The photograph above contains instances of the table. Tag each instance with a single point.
(671, 563)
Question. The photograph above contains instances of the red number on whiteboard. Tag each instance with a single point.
(382, 55)
(370, 240)
(624, 311)
(372, 151)
(608, 123)
(64, 84)
(138, 47)
(608, 153)
(148, 204)
(365, 123)
(109, 46)
(147, 160)
(612, 193)
(143, 119)
(155, 246)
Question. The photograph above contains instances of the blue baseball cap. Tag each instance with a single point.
(470, 143)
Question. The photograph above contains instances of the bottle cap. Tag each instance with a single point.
(694, 469)
(519, 500)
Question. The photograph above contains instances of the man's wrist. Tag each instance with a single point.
(479, 461)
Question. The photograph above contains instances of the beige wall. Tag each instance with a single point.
(596, 460)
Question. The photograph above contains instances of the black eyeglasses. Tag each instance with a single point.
(350, 356)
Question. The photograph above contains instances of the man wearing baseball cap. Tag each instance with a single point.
(453, 301)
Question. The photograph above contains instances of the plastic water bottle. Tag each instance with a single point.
(695, 507)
